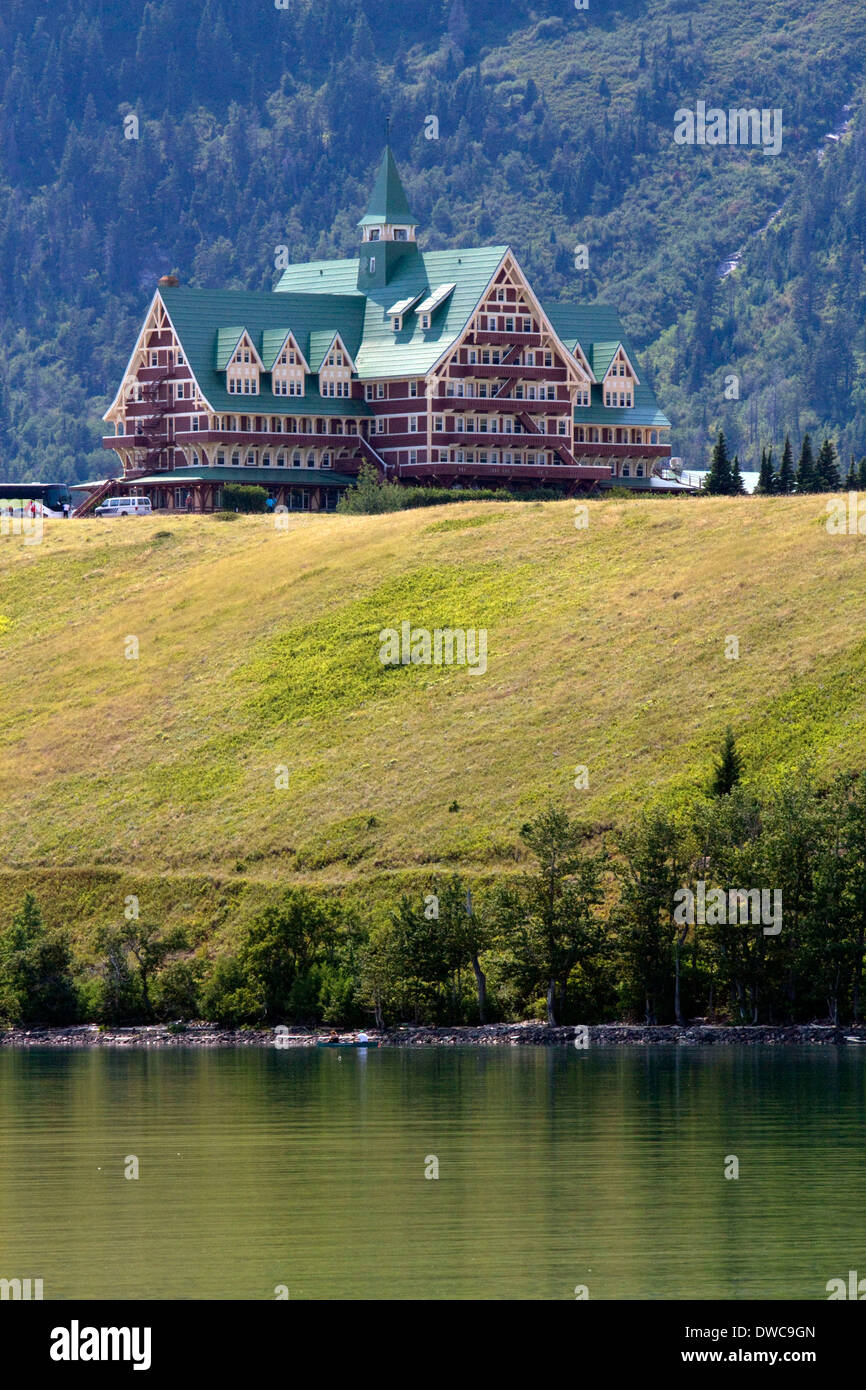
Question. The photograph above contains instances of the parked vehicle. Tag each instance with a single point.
(124, 506)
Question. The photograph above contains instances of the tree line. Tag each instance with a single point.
(812, 473)
(593, 929)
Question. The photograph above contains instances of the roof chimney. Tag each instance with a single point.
(168, 281)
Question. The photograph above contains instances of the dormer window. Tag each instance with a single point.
(397, 323)
(401, 234)
(374, 234)
(425, 320)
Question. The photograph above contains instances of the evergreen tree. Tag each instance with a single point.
(35, 970)
(807, 473)
(719, 481)
(852, 477)
(738, 487)
(862, 471)
(728, 770)
(768, 483)
(827, 467)
(786, 472)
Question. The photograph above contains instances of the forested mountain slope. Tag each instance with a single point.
(260, 127)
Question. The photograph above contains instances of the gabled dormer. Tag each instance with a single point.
(388, 228)
(614, 369)
(237, 356)
(333, 362)
(283, 358)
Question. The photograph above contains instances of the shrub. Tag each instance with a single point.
(240, 497)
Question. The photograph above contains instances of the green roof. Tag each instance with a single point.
(320, 341)
(279, 477)
(382, 352)
(198, 314)
(227, 340)
(388, 202)
(597, 328)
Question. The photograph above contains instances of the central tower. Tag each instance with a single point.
(388, 228)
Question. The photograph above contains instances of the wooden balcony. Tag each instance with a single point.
(506, 369)
(446, 405)
(486, 337)
(500, 439)
(256, 439)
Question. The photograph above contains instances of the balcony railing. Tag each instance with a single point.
(559, 471)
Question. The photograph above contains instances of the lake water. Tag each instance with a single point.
(556, 1167)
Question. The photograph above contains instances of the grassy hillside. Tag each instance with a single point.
(259, 648)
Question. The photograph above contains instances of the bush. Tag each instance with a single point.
(240, 497)
(371, 495)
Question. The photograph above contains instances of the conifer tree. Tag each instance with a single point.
(862, 471)
(737, 485)
(786, 472)
(718, 481)
(807, 474)
(827, 467)
(852, 477)
(729, 769)
(765, 484)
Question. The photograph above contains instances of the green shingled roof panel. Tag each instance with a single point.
(320, 341)
(383, 352)
(197, 314)
(227, 340)
(272, 345)
(592, 325)
(388, 202)
(279, 477)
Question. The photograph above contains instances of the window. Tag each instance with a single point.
(530, 359)
(250, 460)
(413, 424)
(500, 295)
(311, 460)
(413, 388)
(400, 234)
(281, 460)
(326, 460)
(372, 265)
(548, 359)
(153, 359)
(374, 236)
(266, 460)
(607, 398)
(180, 361)
(396, 323)
(296, 460)
(425, 320)
(639, 471)
(413, 455)
(246, 354)
(195, 422)
(509, 325)
(527, 325)
(438, 424)
(368, 392)
(380, 390)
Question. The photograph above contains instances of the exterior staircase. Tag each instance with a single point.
(94, 498)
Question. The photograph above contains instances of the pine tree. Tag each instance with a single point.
(738, 488)
(807, 474)
(728, 770)
(786, 472)
(765, 482)
(827, 468)
(852, 477)
(718, 481)
(862, 471)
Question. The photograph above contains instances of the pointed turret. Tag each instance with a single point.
(388, 227)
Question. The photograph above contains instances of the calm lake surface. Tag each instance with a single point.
(556, 1168)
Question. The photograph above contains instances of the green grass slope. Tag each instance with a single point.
(258, 649)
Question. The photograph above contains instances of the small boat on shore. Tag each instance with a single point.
(348, 1042)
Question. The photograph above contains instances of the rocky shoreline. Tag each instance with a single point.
(491, 1035)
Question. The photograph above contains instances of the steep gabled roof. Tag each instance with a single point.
(413, 350)
(197, 315)
(596, 327)
(388, 202)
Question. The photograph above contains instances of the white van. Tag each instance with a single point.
(124, 506)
